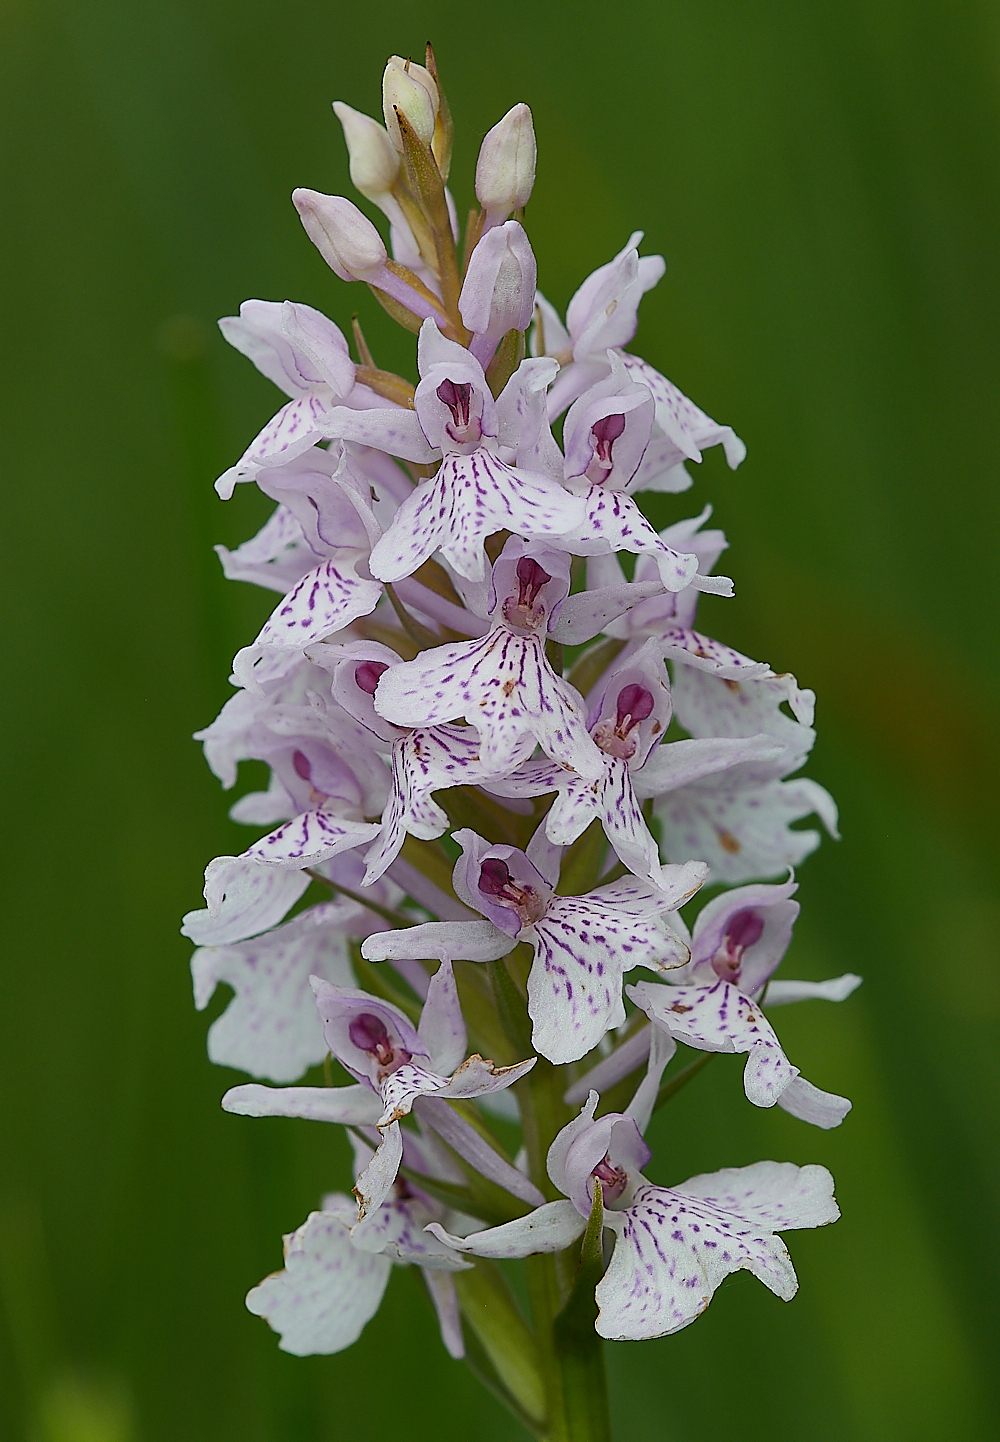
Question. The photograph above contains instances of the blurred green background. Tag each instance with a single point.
(822, 178)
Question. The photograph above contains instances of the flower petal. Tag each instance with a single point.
(399, 1230)
(722, 1018)
(295, 428)
(822, 1109)
(555, 1160)
(327, 599)
(742, 831)
(502, 685)
(429, 759)
(244, 898)
(445, 940)
(837, 988)
(270, 1028)
(327, 1292)
(441, 1286)
(277, 557)
(470, 498)
(730, 705)
(549, 1228)
(375, 1182)
(349, 1106)
(311, 837)
(583, 947)
(442, 1026)
(705, 654)
(624, 824)
(662, 1048)
(675, 1245)
(681, 763)
(475, 1077)
(613, 522)
(681, 421)
(585, 613)
(385, 428)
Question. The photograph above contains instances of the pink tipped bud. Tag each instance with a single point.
(346, 239)
(505, 171)
(411, 90)
(374, 161)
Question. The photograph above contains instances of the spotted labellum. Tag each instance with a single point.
(504, 771)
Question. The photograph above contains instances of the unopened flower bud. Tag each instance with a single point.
(410, 89)
(505, 171)
(374, 160)
(499, 290)
(346, 239)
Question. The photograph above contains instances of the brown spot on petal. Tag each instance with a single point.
(732, 685)
(680, 1007)
(508, 687)
(728, 841)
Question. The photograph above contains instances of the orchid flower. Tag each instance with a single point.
(627, 722)
(473, 493)
(606, 435)
(740, 820)
(714, 1002)
(336, 1269)
(424, 759)
(323, 780)
(503, 683)
(672, 1245)
(333, 508)
(306, 356)
(583, 945)
(603, 315)
(384, 1052)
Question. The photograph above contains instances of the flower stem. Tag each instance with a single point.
(386, 912)
(570, 1354)
(579, 1350)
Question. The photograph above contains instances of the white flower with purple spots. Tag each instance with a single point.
(502, 683)
(606, 435)
(395, 1065)
(334, 512)
(672, 1245)
(740, 820)
(474, 493)
(715, 1004)
(627, 722)
(603, 316)
(336, 1269)
(583, 945)
(423, 760)
(306, 356)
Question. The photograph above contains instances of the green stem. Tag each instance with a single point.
(570, 1354)
(579, 1350)
(396, 917)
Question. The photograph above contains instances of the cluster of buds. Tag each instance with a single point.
(501, 770)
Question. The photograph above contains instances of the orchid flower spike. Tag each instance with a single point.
(501, 758)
